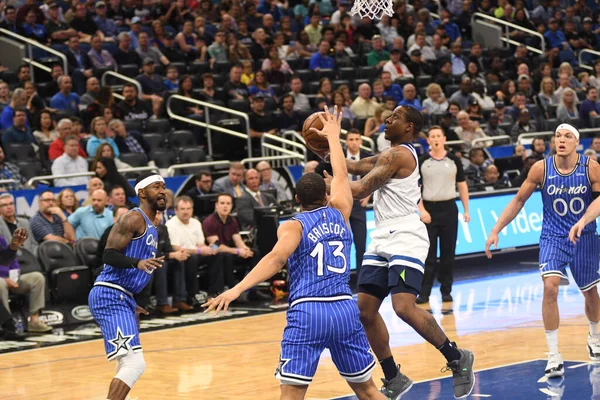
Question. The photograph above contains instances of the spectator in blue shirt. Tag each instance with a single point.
(172, 81)
(92, 220)
(321, 60)
(452, 30)
(32, 30)
(555, 37)
(410, 97)
(590, 107)
(391, 89)
(136, 28)
(18, 99)
(105, 25)
(18, 132)
(65, 99)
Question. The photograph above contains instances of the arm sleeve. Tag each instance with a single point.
(74, 219)
(117, 259)
(460, 173)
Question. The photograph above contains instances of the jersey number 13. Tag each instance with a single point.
(319, 253)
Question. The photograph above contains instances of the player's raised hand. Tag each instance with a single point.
(332, 123)
(575, 232)
(492, 240)
(150, 264)
(221, 302)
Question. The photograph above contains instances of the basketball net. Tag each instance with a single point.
(373, 9)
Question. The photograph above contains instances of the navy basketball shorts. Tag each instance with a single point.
(114, 311)
(582, 258)
(315, 326)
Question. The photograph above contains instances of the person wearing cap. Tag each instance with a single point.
(524, 86)
(106, 25)
(396, 67)
(463, 96)
(555, 37)
(377, 57)
(84, 24)
(169, 50)
(524, 124)
(136, 28)
(153, 87)
(588, 34)
(57, 31)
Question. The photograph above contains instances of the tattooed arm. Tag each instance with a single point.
(387, 166)
(362, 167)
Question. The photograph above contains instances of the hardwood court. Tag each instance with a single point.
(499, 319)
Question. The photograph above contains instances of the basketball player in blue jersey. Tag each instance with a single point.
(394, 261)
(569, 183)
(316, 244)
(129, 260)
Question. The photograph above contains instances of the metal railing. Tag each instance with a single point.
(207, 125)
(123, 78)
(66, 176)
(253, 160)
(508, 25)
(489, 139)
(285, 146)
(5, 181)
(171, 170)
(580, 60)
(30, 59)
(532, 135)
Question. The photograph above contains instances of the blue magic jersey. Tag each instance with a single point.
(565, 197)
(142, 247)
(320, 266)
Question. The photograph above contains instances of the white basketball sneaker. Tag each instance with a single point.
(555, 367)
(593, 346)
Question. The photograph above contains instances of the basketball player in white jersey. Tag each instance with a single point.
(394, 261)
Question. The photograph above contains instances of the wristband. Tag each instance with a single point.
(199, 251)
(238, 252)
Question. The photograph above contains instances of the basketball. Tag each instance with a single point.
(316, 143)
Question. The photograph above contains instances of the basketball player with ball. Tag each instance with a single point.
(394, 261)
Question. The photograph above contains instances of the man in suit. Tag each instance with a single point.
(10, 222)
(358, 218)
(232, 183)
(251, 199)
(203, 186)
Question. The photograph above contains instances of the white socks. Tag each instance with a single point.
(552, 339)
(593, 328)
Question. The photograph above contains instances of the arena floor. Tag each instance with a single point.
(497, 316)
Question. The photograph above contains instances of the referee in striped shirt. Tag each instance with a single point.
(441, 174)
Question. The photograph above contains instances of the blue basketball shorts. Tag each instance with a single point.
(583, 259)
(114, 311)
(315, 326)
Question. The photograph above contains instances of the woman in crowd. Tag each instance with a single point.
(507, 92)
(261, 86)
(236, 51)
(35, 103)
(567, 109)
(45, 132)
(373, 123)
(106, 170)
(436, 102)
(67, 201)
(474, 111)
(105, 150)
(566, 68)
(339, 101)
(345, 90)
(325, 90)
(99, 136)
(4, 94)
(158, 34)
(546, 96)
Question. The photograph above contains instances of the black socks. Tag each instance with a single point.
(449, 350)
(390, 370)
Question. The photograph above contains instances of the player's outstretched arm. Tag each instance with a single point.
(289, 235)
(341, 196)
(129, 225)
(593, 210)
(534, 178)
(388, 164)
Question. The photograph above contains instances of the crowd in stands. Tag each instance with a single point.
(278, 61)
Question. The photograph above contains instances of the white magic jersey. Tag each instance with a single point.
(398, 198)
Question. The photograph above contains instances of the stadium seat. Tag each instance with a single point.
(339, 82)
(270, 104)
(506, 127)
(423, 81)
(357, 82)
(595, 121)
(86, 250)
(347, 73)
(240, 105)
(29, 169)
(367, 72)
(44, 89)
(347, 124)
(134, 159)
(20, 152)
(181, 139)
(130, 70)
(133, 125)
(155, 140)
(326, 73)
(27, 261)
(199, 68)
(188, 155)
(222, 67)
(181, 67)
(551, 124)
(576, 122)
(305, 75)
(67, 278)
(162, 125)
(163, 158)
(359, 123)
(313, 87)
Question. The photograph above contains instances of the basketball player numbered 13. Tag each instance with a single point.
(394, 261)
(316, 244)
(569, 182)
(129, 260)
